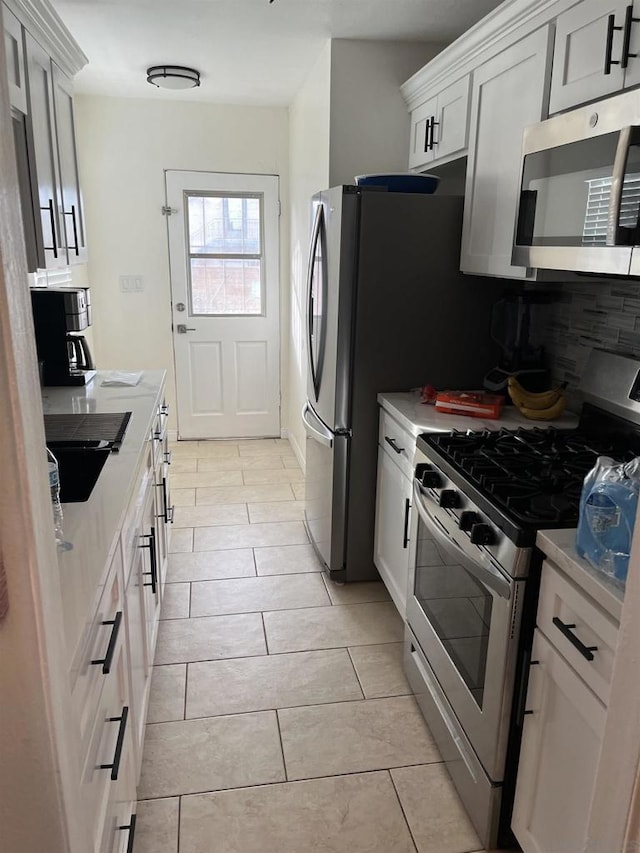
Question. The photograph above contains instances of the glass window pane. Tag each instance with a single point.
(226, 286)
(224, 225)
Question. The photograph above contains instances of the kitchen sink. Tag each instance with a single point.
(80, 464)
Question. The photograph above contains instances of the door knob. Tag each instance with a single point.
(181, 329)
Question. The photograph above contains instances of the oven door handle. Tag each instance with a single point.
(481, 568)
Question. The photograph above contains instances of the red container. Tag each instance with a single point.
(473, 404)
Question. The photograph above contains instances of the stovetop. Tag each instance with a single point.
(532, 476)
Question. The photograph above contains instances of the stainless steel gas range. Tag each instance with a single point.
(479, 499)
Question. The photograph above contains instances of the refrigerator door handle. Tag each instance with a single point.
(316, 429)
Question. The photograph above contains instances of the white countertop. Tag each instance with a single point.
(559, 547)
(91, 527)
(417, 417)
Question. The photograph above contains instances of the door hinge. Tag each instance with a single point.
(167, 211)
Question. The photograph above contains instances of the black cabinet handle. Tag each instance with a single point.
(131, 826)
(117, 755)
(52, 219)
(434, 124)
(585, 651)
(72, 214)
(392, 443)
(405, 535)
(151, 545)
(107, 660)
(164, 409)
(167, 512)
(611, 28)
(629, 20)
(167, 457)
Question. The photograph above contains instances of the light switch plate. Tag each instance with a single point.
(131, 283)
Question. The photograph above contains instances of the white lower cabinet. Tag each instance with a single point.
(571, 665)
(393, 506)
(508, 93)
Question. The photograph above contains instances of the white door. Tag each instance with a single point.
(223, 251)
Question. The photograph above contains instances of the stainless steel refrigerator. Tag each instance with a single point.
(387, 310)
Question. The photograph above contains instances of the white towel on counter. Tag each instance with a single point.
(121, 377)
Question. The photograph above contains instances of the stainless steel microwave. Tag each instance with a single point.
(579, 205)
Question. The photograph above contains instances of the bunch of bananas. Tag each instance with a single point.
(539, 406)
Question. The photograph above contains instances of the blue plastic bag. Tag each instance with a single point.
(608, 506)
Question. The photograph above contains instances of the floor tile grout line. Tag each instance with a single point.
(284, 761)
(179, 822)
(264, 634)
(353, 666)
(190, 597)
(255, 564)
(288, 708)
(404, 815)
(186, 690)
(288, 782)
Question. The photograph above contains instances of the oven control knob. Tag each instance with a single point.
(467, 519)
(482, 534)
(449, 498)
(431, 479)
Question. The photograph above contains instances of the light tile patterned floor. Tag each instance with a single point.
(280, 720)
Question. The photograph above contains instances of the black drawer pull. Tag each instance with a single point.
(164, 409)
(585, 651)
(131, 826)
(52, 219)
(72, 214)
(629, 20)
(167, 457)
(107, 660)
(392, 443)
(117, 755)
(151, 545)
(608, 61)
(405, 535)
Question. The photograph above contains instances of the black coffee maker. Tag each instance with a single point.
(58, 314)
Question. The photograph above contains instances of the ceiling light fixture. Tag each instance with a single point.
(173, 77)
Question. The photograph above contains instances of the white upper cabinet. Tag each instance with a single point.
(43, 158)
(439, 127)
(72, 214)
(14, 55)
(508, 93)
(589, 54)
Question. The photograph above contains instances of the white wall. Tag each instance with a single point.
(308, 173)
(369, 118)
(124, 147)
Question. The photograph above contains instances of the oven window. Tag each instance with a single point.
(458, 608)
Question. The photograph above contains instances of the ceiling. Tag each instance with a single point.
(248, 51)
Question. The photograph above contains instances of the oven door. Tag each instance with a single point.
(465, 613)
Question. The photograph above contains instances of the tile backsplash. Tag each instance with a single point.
(586, 315)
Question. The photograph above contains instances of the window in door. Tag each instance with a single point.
(225, 254)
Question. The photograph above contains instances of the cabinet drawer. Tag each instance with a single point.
(97, 661)
(110, 752)
(397, 442)
(578, 629)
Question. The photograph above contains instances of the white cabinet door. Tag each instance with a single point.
(632, 71)
(139, 665)
(391, 552)
(581, 51)
(439, 127)
(452, 119)
(559, 755)
(421, 150)
(72, 214)
(508, 93)
(43, 159)
(14, 55)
